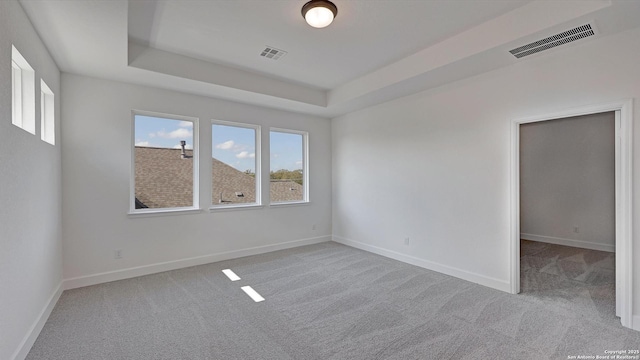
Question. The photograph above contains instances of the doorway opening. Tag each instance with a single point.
(589, 265)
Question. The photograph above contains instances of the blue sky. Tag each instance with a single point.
(164, 133)
(286, 151)
(232, 145)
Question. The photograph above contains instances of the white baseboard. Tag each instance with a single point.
(430, 265)
(568, 242)
(31, 336)
(122, 274)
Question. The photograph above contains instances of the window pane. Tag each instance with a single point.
(163, 163)
(23, 92)
(233, 165)
(16, 94)
(47, 114)
(287, 167)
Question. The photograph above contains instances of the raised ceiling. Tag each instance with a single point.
(374, 51)
(365, 36)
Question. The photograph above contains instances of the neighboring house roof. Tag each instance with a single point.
(164, 180)
(282, 190)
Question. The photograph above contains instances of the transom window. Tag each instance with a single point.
(47, 114)
(23, 93)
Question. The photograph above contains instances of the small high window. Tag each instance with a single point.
(235, 168)
(47, 114)
(289, 166)
(164, 162)
(23, 102)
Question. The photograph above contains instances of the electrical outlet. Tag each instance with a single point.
(313, 227)
(406, 241)
(117, 254)
(576, 230)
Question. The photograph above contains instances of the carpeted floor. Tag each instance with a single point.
(581, 280)
(324, 301)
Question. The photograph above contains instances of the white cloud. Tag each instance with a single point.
(225, 145)
(299, 163)
(188, 147)
(181, 133)
(186, 124)
(245, 155)
(143, 143)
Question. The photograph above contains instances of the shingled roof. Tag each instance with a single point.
(165, 180)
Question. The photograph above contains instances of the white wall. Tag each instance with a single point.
(567, 181)
(96, 155)
(30, 183)
(435, 166)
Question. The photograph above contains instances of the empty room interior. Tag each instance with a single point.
(319, 179)
(567, 176)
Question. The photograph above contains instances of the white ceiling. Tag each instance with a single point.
(375, 50)
(365, 36)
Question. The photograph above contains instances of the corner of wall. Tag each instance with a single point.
(30, 338)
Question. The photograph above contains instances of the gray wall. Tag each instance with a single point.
(436, 166)
(567, 181)
(30, 196)
(96, 153)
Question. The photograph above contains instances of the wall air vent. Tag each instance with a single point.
(565, 37)
(270, 52)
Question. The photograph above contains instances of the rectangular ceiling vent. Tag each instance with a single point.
(565, 37)
(270, 52)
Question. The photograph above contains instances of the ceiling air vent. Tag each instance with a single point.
(270, 52)
(565, 37)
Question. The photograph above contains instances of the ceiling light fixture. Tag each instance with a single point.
(319, 13)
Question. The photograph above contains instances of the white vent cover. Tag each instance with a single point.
(270, 52)
(565, 37)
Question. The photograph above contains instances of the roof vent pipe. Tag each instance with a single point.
(183, 154)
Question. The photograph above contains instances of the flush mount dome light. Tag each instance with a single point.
(319, 13)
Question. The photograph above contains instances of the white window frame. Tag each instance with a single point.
(258, 165)
(47, 114)
(23, 95)
(196, 167)
(305, 167)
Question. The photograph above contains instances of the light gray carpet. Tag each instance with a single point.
(582, 280)
(324, 301)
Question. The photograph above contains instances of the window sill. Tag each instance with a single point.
(162, 212)
(289, 203)
(235, 207)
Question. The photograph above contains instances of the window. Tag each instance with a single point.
(23, 102)
(235, 164)
(164, 175)
(47, 114)
(289, 166)
(16, 94)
